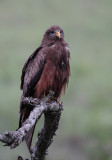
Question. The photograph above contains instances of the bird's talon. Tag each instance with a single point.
(58, 102)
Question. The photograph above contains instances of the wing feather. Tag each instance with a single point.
(26, 65)
(32, 71)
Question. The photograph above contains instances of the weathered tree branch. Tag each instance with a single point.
(52, 112)
(45, 136)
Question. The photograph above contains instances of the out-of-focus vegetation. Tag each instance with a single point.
(85, 130)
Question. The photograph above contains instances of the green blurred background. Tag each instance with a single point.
(85, 130)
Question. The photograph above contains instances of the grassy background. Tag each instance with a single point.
(85, 130)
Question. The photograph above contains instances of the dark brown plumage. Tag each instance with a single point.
(46, 69)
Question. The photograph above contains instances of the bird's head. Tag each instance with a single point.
(54, 33)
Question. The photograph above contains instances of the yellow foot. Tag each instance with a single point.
(58, 102)
(53, 98)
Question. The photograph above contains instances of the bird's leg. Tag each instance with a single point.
(56, 99)
(52, 98)
(44, 94)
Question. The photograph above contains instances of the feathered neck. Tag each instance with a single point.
(50, 42)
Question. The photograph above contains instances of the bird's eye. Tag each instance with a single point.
(52, 32)
(61, 31)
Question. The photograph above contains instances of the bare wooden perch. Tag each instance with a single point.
(52, 112)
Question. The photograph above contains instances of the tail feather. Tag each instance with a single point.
(24, 114)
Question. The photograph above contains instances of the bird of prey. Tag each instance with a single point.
(46, 69)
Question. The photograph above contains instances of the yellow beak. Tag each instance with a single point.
(58, 34)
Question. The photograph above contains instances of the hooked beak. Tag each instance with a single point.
(58, 34)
